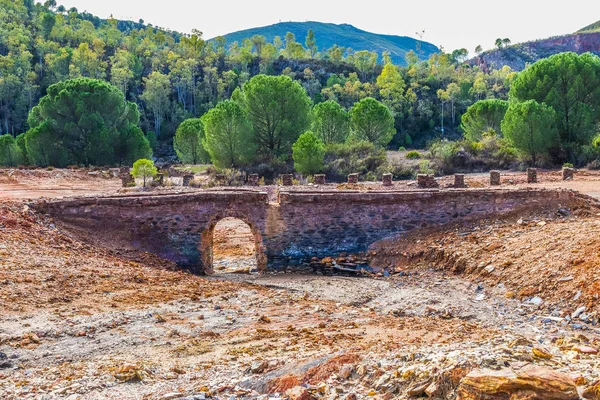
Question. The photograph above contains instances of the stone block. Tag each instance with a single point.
(127, 180)
(253, 180)
(388, 180)
(159, 179)
(287, 180)
(320, 179)
(426, 181)
(568, 173)
(494, 178)
(532, 175)
(187, 179)
(353, 178)
(459, 181)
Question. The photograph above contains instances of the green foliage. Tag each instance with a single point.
(529, 127)
(330, 122)
(425, 168)
(413, 155)
(308, 154)
(10, 152)
(228, 138)
(344, 36)
(278, 109)
(360, 157)
(372, 121)
(570, 84)
(84, 121)
(567, 165)
(188, 142)
(483, 116)
(144, 169)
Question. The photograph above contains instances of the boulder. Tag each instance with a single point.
(530, 382)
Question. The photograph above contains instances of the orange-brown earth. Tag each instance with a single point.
(79, 321)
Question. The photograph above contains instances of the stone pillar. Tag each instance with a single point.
(159, 179)
(494, 178)
(426, 181)
(287, 180)
(320, 179)
(387, 180)
(567, 174)
(253, 180)
(353, 178)
(127, 180)
(531, 175)
(187, 179)
(459, 181)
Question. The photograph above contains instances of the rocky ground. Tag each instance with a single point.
(488, 310)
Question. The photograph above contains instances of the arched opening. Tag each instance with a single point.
(234, 247)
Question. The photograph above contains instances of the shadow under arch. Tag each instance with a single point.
(207, 238)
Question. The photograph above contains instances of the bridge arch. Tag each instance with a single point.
(206, 245)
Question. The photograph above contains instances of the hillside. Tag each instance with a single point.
(343, 35)
(595, 27)
(520, 55)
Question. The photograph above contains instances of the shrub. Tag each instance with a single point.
(402, 148)
(413, 155)
(567, 165)
(353, 157)
(425, 168)
(144, 168)
(308, 154)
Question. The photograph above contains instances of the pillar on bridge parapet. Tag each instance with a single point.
(567, 174)
(387, 180)
(353, 178)
(253, 180)
(127, 180)
(494, 178)
(187, 179)
(426, 181)
(532, 175)
(319, 179)
(459, 181)
(287, 180)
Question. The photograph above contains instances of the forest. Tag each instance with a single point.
(167, 80)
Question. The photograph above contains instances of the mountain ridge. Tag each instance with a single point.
(344, 35)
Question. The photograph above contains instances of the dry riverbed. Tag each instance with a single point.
(448, 313)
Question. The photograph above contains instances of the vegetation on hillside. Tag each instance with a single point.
(75, 89)
(333, 37)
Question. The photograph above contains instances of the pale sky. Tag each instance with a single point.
(451, 24)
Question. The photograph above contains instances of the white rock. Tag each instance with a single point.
(578, 312)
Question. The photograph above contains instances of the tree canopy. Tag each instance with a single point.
(330, 122)
(278, 109)
(188, 142)
(372, 121)
(483, 116)
(84, 121)
(228, 135)
(570, 84)
(308, 153)
(530, 127)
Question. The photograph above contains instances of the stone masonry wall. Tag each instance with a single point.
(301, 226)
(326, 224)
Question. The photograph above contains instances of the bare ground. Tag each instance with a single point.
(82, 322)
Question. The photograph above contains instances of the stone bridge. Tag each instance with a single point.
(299, 226)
